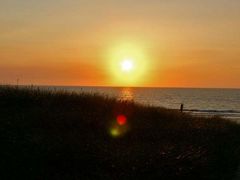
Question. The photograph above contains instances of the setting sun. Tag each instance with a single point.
(127, 65)
(120, 89)
(128, 62)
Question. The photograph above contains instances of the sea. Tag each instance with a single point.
(196, 101)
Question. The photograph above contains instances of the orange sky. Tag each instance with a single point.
(188, 43)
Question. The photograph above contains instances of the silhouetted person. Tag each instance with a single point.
(181, 107)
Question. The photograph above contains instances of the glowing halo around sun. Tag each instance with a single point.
(128, 65)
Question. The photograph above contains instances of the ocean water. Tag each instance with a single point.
(199, 102)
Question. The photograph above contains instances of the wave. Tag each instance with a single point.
(229, 114)
(213, 111)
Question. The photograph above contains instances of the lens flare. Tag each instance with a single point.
(114, 132)
(121, 120)
(119, 126)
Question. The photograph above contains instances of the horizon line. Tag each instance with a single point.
(108, 86)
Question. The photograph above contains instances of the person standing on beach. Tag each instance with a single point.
(181, 107)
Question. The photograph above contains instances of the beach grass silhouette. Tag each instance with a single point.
(60, 135)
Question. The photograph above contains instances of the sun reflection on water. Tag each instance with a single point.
(126, 94)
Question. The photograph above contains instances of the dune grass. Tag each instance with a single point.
(61, 135)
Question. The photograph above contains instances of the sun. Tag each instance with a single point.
(127, 65)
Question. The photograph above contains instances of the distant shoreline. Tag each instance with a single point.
(101, 86)
(199, 102)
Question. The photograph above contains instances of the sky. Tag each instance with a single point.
(174, 43)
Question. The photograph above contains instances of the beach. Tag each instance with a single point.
(63, 135)
(197, 101)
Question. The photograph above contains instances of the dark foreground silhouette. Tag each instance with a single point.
(59, 135)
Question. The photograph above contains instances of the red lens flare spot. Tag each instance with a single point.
(121, 120)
